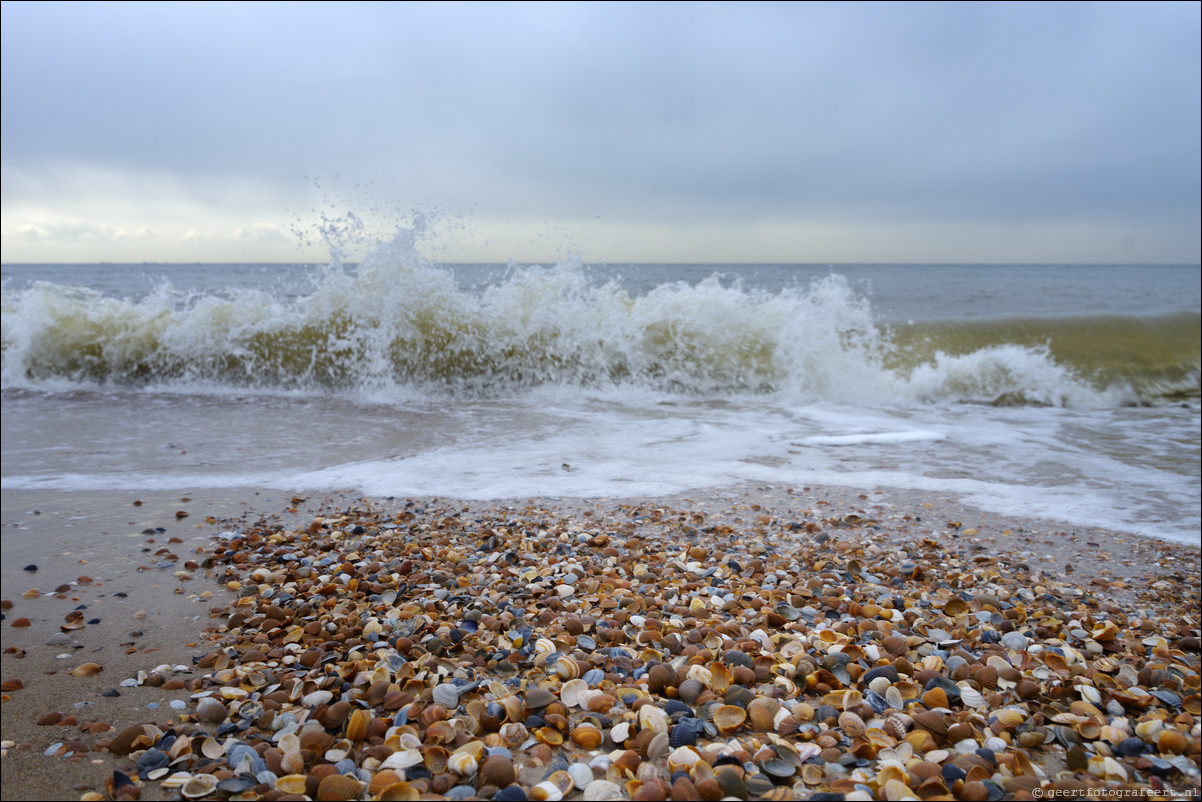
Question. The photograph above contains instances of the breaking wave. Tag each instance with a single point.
(397, 324)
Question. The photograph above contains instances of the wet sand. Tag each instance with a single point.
(133, 571)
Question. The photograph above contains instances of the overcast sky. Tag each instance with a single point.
(807, 132)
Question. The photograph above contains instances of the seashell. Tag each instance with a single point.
(971, 697)
(603, 791)
(316, 739)
(199, 785)
(812, 774)
(339, 788)
(87, 670)
(1172, 742)
(356, 725)
(852, 725)
(445, 694)
(1007, 719)
(720, 677)
(463, 763)
(587, 736)
(759, 785)
(316, 698)
(653, 718)
(659, 676)
(738, 695)
(935, 697)
(403, 759)
(689, 691)
(729, 718)
(780, 769)
(497, 770)
(683, 758)
(730, 780)
(549, 736)
(567, 669)
(932, 722)
(293, 762)
(131, 739)
(761, 713)
(291, 784)
(539, 698)
(574, 693)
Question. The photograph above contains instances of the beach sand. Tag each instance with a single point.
(131, 563)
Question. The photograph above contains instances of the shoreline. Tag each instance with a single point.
(104, 537)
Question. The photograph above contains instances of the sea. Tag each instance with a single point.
(1063, 392)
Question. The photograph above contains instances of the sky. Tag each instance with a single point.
(613, 132)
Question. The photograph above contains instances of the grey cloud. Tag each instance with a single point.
(869, 111)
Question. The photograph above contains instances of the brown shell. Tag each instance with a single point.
(852, 725)
(935, 697)
(739, 695)
(730, 780)
(642, 741)
(986, 677)
(338, 788)
(896, 725)
(497, 770)
(788, 725)
(761, 712)
(87, 670)
(131, 739)
(538, 698)
(896, 645)
(684, 789)
(932, 722)
(337, 714)
(356, 725)
(381, 780)
(1171, 742)
(316, 740)
(659, 676)
(728, 718)
(587, 736)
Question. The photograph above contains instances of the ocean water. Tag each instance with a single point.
(1068, 392)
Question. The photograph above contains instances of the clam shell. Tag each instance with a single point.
(446, 694)
(199, 785)
(87, 670)
(463, 763)
(339, 788)
(356, 725)
(653, 718)
(497, 770)
(291, 784)
(587, 736)
(729, 718)
(761, 713)
(852, 725)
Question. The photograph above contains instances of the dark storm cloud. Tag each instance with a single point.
(885, 112)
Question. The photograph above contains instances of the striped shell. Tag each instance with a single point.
(356, 725)
(339, 788)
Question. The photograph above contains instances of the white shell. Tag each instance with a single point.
(402, 760)
(316, 698)
(971, 696)
(446, 695)
(200, 785)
